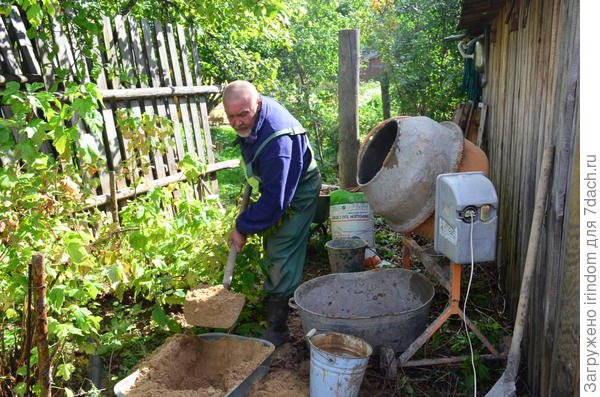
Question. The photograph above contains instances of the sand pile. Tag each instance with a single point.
(212, 306)
(186, 365)
(281, 382)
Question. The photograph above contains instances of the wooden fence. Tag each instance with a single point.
(162, 68)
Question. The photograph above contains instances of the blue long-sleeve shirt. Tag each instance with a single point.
(280, 165)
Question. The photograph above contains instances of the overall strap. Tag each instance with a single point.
(287, 131)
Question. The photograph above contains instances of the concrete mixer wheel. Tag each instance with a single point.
(388, 363)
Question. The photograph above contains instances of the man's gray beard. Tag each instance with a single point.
(244, 134)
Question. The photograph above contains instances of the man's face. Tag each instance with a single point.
(241, 114)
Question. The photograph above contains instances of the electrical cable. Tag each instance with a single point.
(472, 216)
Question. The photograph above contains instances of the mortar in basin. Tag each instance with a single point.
(386, 307)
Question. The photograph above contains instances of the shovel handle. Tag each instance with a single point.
(229, 268)
(228, 275)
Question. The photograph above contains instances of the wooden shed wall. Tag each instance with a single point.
(532, 92)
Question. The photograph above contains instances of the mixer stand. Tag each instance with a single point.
(453, 287)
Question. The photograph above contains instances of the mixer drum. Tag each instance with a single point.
(398, 164)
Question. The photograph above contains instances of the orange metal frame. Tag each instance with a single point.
(452, 309)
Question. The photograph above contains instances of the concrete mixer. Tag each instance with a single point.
(399, 162)
(398, 165)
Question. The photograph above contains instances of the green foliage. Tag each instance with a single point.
(481, 371)
(307, 79)
(425, 72)
(231, 181)
(163, 247)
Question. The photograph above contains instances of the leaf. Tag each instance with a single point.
(34, 14)
(82, 105)
(64, 331)
(60, 143)
(21, 388)
(64, 371)
(76, 251)
(10, 313)
(56, 296)
(138, 240)
(69, 392)
(91, 290)
(158, 315)
(116, 275)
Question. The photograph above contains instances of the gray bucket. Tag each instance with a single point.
(346, 254)
(386, 307)
(337, 364)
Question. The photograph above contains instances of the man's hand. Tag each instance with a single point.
(237, 239)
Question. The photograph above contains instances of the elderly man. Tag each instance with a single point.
(280, 163)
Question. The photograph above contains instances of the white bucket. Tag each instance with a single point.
(337, 364)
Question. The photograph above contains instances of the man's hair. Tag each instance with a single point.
(240, 89)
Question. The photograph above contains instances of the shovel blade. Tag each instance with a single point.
(212, 306)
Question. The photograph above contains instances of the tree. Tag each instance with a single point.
(425, 72)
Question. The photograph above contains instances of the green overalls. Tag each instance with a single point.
(285, 248)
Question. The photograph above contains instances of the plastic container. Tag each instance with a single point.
(346, 254)
(240, 390)
(337, 364)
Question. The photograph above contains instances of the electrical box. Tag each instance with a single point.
(466, 207)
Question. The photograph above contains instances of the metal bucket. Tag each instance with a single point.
(337, 364)
(346, 254)
(386, 307)
(399, 162)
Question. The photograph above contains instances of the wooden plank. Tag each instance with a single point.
(481, 128)
(134, 64)
(25, 45)
(128, 192)
(143, 69)
(100, 140)
(564, 373)
(155, 82)
(21, 78)
(111, 53)
(80, 66)
(187, 79)
(7, 53)
(208, 144)
(551, 278)
(521, 119)
(349, 60)
(134, 105)
(114, 155)
(183, 114)
(183, 103)
(46, 64)
(159, 92)
(64, 53)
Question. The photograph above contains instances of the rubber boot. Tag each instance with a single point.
(277, 331)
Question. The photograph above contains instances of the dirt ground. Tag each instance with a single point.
(289, 372)
(485, 308)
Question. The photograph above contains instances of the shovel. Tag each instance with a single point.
(505, 386)
(215, 306)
